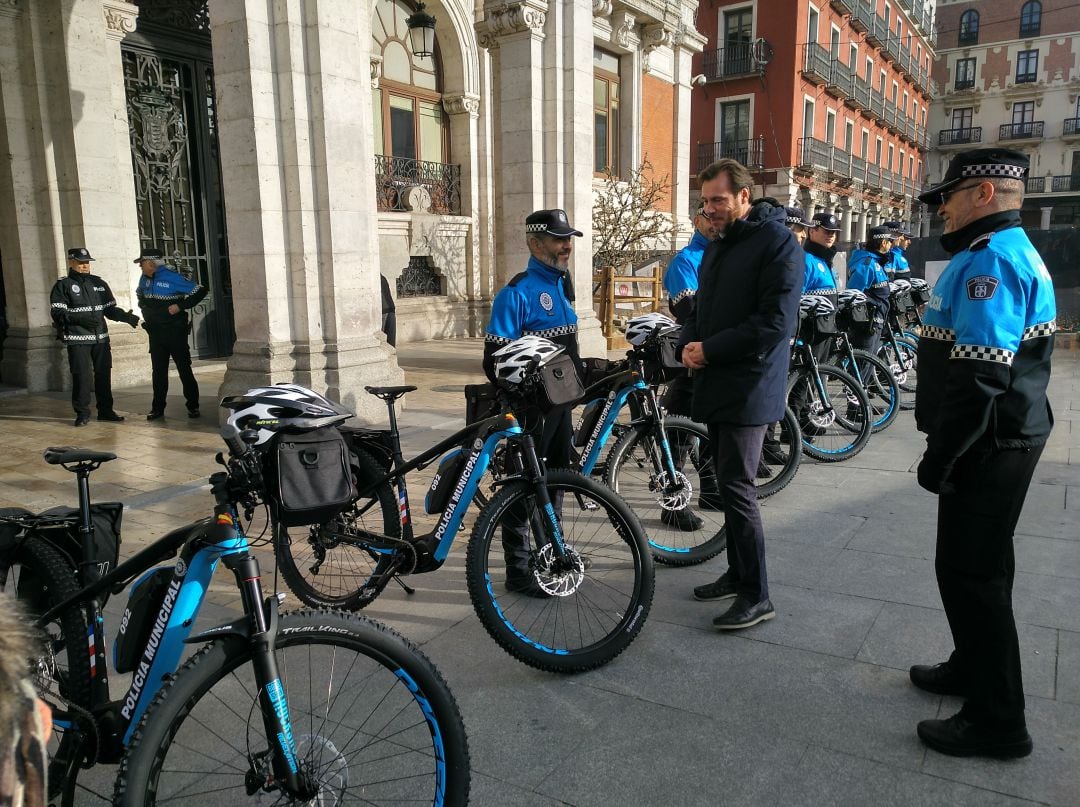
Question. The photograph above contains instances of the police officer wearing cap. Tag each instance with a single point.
(820, 248)
(867, 273)
(537, 302)
(898, 266)
(165, 297)
(795, 218)
(80, 304)
(984, 364)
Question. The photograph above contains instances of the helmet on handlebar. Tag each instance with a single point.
(815, 305)
(519, 358)
(640, 328)
(282, 407)
(850, 297)
(919, 283)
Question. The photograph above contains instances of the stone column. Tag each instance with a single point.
(463, 110)
(294, 105)
(1044, 221)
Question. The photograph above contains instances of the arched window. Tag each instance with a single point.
(969, 28)
(412, 143)
(1031, 18)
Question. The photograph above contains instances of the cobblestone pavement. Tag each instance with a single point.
(813, 708)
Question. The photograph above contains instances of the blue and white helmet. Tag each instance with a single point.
(640, 328)
(523, 355)
(815, 305)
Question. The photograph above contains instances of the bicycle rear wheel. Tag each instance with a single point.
(833, 416)
(372, 720)
(903, 359)
(580, 612)
(327, 565)
(684, 525)
(881, 388)
(41, 577)
(781, 454)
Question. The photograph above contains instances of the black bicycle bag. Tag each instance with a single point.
(310, 480)
(588, 421)
(143, 607)
(446, 478)
(558, 383)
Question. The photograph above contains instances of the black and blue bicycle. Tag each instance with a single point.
(310, 707)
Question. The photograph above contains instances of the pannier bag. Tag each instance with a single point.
(921, 295)
(817, 329)
(481, 402)
(143, 607)
(558, 383)
(64, 535)
(588, 421)
(310, 477)
(446, 477)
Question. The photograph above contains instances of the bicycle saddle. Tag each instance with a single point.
(62, 455)
(390, 393)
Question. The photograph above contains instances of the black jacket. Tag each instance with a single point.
(746, 314)
(80, 304)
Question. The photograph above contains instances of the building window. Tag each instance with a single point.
(1023, 112)
(812, 25)
(808, 118)
(869, 72)
(735, 131)
(969, 28)
(1031, 19)
(849, 137)
(892, 152)
(738, 39)
(834, 42)
(961, 118)
(965, 74)
(605, 112)
(412, 133)
(877, 153)
(1027, 66)
(853, 58)
(830, 126)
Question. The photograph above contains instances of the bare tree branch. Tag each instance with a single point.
(627, 220)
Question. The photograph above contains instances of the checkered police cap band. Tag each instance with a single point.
(994, 170)
(795, 220)
(536, 228)
(881, 237)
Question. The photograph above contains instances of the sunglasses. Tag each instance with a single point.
(946, 194)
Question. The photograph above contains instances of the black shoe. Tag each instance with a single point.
(686, 520)
(721, 589)
(194, 413)
(81, 420)
(763, 471)
(743, 614)
(525, 585)
(774, 454)
(112, 417)
(941, 679)
(155, 416)
(959, 737)
(710, 502)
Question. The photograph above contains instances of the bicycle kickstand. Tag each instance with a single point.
(408, 589)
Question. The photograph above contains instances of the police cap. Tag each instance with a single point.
(991, 163)
(796, 216)
(150, 254)
(549, 222)
(879, 234)
(827, 221)
(80, 254)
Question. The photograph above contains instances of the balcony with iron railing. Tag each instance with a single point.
(1030, 29)
(959, 137)
(816, 63)
(842, 6)
(862, 15)
(1070, 128)
(964, 83)
(394, 176)
(1032, 130)
(729, 62)
(814, 153)
(838, 83)
(873, 176)
(1065, 184)
(858, 93)
(750, 153)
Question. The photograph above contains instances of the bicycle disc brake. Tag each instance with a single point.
(819, 416)
(559, 578)
(672, 494)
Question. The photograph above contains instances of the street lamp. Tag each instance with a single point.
(421, 32)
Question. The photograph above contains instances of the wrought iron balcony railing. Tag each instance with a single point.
(395, 175)
(1020, 131)
(1070, 127)
(964, 84)
(1065, 184)
(734, 60)
(1027, 78)
(956, 137)
(750, 153)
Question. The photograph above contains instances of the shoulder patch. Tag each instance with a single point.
(517, 278)
(982, 242)
(546, 302)
(981, 287)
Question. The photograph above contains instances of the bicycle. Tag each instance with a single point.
(875, 377)
(590, 572)
(899, 351)
(832, 407)
(299, 707)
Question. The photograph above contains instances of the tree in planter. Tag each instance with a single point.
(626, 217)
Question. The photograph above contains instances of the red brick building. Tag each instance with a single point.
(828, 102)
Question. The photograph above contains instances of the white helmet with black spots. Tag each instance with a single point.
(850, 297)
(815, 305)
(919, 283)
(640, 328)
(522, 356)
(282, 408)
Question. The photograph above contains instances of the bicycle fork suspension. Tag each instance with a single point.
(272, 702)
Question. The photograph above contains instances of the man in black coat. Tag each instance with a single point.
(737, 343)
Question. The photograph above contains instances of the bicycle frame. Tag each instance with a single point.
(630, 383)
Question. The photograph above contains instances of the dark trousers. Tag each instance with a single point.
(171, 343)
(736, 455)
(975, 567)
(553, 446)
(84, 361)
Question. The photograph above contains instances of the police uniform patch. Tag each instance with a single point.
(546, 302)
(981, 287)
(75, 289)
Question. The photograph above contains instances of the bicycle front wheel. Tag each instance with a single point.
(880, 384)
(563, 614)
(680, 510)
(372, 720)
(902, 357)
(327, 565)
(832, 414)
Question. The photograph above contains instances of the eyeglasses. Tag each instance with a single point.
(946, 194)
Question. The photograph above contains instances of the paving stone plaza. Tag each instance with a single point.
(812, 708)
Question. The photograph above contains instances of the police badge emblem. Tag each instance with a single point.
(546, 302)
(982, 287)
(75, 288)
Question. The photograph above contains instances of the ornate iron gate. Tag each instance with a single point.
(169, 84)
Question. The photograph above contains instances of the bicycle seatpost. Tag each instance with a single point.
(88, 569)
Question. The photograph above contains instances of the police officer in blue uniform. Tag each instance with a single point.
(80, 303)
(165, 296)
(820, 249)
(800, 226)
(867, 272)
(898, 265)
(537, 302)
(984, 365)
